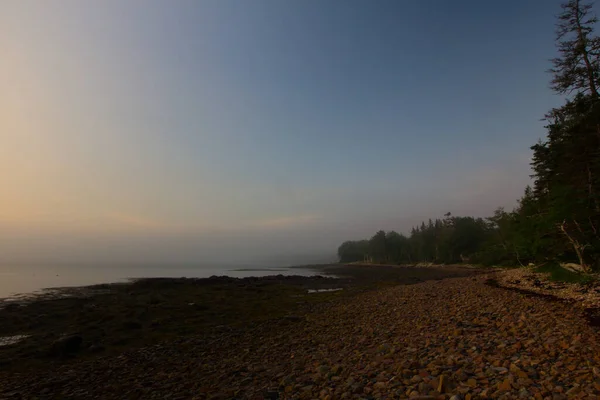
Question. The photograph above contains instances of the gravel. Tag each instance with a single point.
(450, 339)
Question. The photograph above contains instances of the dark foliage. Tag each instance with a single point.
(558, 219)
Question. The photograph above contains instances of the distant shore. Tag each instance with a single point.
(366, 272)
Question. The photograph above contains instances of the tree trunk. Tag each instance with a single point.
(579, 249)
(584, 52)
(517, 254)
(590, 185)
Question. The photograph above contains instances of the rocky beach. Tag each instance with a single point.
(424, 333)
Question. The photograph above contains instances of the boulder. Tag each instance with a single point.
(66, 345)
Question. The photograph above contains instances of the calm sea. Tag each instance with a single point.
(28, 279)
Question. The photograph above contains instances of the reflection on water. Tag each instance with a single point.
(324, 290)
(15, 280)
(259, 269)
(8, 340)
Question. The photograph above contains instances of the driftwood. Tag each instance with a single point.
(578, 247)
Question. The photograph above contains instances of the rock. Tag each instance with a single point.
(294, 318)
(357, 388)
(524, 393)
(132, 325)
(424, 388)
(443, 385)
(505, 385)
(336, 369)
(12, 306)
(96, 348)
(67, 345)
(573, 391)
(339, 354)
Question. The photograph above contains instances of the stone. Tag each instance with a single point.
(357, 388)
(67, 345)
(132, 325)
(573, 391)
(96, 348)
(424, 388)
(248, 360)
(524, 393)
(504, 385)
(443, 385)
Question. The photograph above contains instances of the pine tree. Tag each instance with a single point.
(566, 166)
(576, 69)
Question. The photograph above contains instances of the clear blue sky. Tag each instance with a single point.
(241, 127)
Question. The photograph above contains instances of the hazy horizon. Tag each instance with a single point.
(229, 132)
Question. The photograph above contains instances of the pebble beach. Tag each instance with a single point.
(454, 338)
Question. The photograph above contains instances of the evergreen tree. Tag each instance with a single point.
(576, 69)
(556, 220)
(566, 166)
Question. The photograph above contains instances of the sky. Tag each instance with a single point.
(238, 131)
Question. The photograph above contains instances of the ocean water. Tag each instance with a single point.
(18, 279)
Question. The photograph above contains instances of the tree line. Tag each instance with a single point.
(558, 218)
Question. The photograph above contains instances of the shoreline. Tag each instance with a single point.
(22, 281)
(47, 292)
(111, 318)
(326, 269)
(438, 338)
